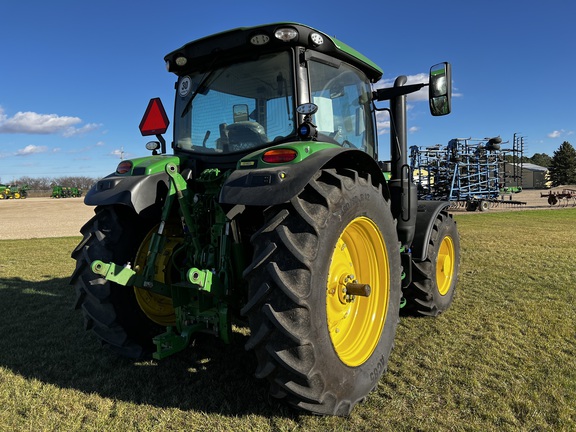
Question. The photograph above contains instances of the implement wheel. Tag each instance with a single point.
(110, 310)
(434, 279)
(484, 205)
(324, 290)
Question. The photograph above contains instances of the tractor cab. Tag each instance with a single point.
(239, 91)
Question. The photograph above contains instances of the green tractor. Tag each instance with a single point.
(13, 191)
(65, 192)
(273, 211)
(57, 192)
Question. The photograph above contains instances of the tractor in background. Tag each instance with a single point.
(13, 191)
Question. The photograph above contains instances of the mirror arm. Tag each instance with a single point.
(392, 92)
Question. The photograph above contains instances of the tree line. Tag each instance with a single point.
(47, 183)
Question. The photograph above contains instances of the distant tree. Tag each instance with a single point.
(80, 182)
(46, 183)
(34, 183)
(541, 159)
(563, 166)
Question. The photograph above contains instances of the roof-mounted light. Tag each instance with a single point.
(286, 34)
(260, 39)
(181, 60)
(316, 39)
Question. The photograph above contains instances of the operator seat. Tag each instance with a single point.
(244, 135)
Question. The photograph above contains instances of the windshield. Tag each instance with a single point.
(236, 108)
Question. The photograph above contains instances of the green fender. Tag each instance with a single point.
(144, 188)
(276, 185)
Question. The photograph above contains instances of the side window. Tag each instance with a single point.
(342, 97)
(279, 115)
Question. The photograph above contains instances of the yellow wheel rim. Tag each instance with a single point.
(445, 265)
(355, 323)
(157, 307)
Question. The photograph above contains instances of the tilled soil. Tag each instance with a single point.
(49, 217)
(42, 217)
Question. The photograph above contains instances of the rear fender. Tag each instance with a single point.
(427, 213)
(141, 193)
(276, 185)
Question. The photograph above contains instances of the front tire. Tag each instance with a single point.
(434, 280)
(319, 350)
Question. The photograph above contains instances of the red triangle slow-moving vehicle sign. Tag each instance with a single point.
(155, 120)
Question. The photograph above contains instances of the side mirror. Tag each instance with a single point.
(240, 113)
(440, 89)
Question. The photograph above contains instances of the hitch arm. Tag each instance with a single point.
(122, 275)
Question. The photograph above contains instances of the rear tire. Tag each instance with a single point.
(434, 280)
(110, 310)
(320, 352)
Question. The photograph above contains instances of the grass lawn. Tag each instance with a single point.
(502, 358)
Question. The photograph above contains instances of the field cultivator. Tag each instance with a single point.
(564, 197)
(474, 174)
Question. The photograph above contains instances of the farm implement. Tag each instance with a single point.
(563, 197)
(468, 173)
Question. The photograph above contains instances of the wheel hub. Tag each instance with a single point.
(445, 265)
(355, 312)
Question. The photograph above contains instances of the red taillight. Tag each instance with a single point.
(124, 167)
(279, 155)
(155, 120)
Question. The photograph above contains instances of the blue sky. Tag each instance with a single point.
(76, 76)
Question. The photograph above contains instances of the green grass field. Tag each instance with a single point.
(502, 358)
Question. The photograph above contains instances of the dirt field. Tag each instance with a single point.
(48, 217)
(42, 217)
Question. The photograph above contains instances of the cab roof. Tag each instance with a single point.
(241, 42)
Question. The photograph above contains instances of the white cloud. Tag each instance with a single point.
(42, 124)
(72, 131)
(31, 149)
(560, 133)
(382, 122)
(554, 134)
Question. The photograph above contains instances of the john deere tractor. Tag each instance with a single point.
(273, 210)
(13, 191)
